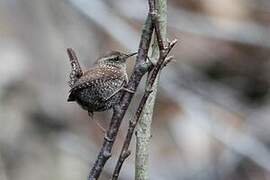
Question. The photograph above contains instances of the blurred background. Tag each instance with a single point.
(211, 119)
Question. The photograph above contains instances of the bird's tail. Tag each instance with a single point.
(76, 71)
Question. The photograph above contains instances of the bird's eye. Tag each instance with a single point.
(116, 58)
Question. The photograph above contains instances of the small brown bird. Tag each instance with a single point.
(97, 89)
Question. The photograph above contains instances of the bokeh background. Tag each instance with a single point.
(211, 119)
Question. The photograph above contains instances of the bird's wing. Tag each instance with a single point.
(104, 81)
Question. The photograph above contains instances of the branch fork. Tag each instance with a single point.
(161, 63)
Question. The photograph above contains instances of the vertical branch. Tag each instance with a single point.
(143, 129)
(162, 61)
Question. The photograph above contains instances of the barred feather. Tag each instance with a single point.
(76, 71)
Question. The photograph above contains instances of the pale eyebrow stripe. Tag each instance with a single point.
(110, 57)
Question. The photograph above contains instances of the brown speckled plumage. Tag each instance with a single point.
(97, 89)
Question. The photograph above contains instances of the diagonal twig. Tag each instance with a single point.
(132, 123)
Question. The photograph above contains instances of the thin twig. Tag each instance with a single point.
(155, 18)
(119, 111)
(132, 123)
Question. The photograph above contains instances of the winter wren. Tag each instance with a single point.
(97, 88)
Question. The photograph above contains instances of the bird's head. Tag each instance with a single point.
(114, 58)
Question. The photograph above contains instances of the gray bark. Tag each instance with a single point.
(143, 131)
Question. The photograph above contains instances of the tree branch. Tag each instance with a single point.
(163, 52)
(143, 129)
(141, 67)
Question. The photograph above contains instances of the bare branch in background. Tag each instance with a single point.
(246, 32)
(243, 143)
(98, 12)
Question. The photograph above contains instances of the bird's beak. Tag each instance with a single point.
(131, 54)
